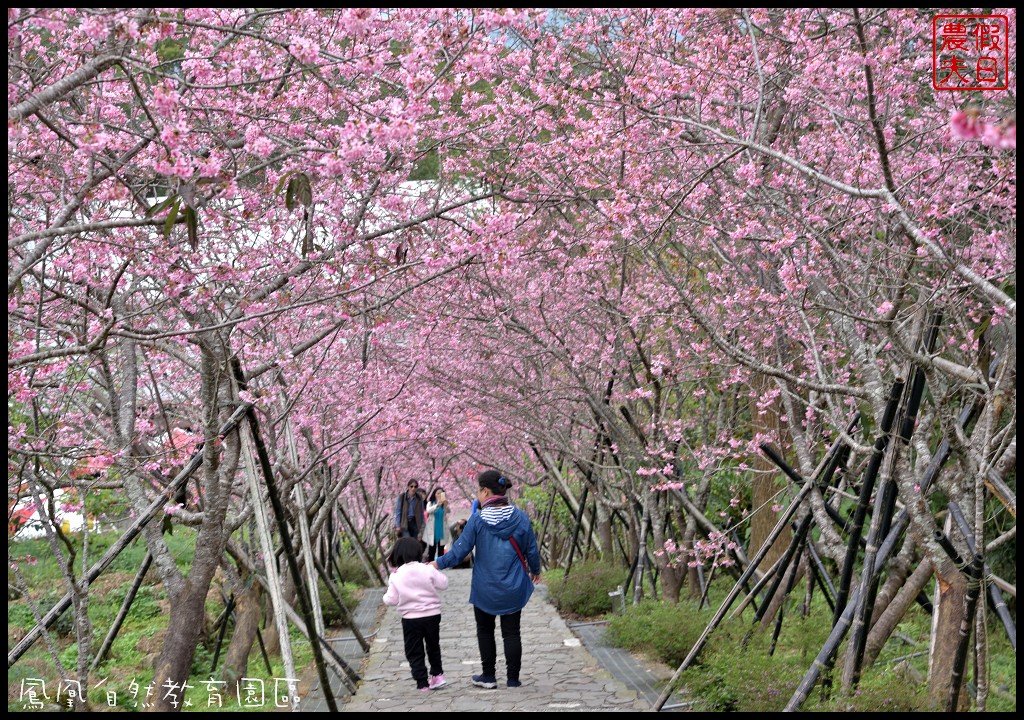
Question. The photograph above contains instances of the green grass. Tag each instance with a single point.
(129, 663)
(734, 672)
(661, 631)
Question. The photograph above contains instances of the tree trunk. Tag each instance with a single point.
(604, 532)
(671, 577)
(767, 481)
(694, 590)
(671, 582)
(174, 663)
(248, 611)
(895, 610)
(899, 570)
(271, 640)
(951, 589)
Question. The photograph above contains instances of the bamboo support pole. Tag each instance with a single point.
(652, 574)
(753, 592)
(755, 561)
(944, 542)
(229, 606)
(881, 521)
(587, 554)
(703, 586)
(616, 515)
(791, 573)
(372, 571)
(792, 552)
(974, 580)
(641, 556)
(835, 458)
(304, 537)
(108, 641)
(344, 671)
(263, 651)
(544, 525)
(741, 565)
(707, 587)
(293, 566)
(866, 490)
(273, 581)
(822, 577)
(879, 452)
(576, 529)
(995, 595)
(822, 662)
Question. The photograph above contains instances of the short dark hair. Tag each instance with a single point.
(494, 481)
(406, 550)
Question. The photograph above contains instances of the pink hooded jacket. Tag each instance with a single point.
(413, 588)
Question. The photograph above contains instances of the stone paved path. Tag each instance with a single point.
(559, 673)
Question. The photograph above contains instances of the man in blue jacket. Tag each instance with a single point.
(506, 565)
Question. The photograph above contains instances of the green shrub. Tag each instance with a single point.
(333, 615)
(880, 690)
(19, 615)
(350, 568)
(743, 677)
(662, 631)
(585, 591)
(733, 676)
(64, 626)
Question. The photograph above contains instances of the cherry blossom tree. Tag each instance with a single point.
(203, 200)
(805, 217)
(618, 249)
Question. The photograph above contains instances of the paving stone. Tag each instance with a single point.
(581, 675)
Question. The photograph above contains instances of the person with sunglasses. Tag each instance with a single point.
(409, 512)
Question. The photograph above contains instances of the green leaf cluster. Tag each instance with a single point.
(584, 592)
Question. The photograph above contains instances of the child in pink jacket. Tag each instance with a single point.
(413, 588)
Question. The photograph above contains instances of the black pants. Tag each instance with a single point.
(434, 551)
(412, 529)
(419, 633)
(509, 638)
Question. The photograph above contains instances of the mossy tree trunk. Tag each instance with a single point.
(248, 610)
(950, 607)
(767, 480)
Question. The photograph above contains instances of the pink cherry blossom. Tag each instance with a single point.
(966, 124)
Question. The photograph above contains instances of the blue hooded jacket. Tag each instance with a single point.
(500, 584)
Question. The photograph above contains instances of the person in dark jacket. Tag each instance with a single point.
(409, 512)
(506, 565)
